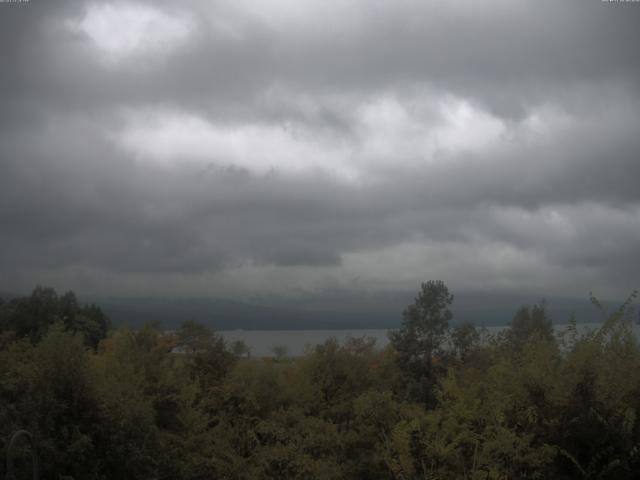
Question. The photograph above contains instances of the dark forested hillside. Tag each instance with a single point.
(440, 402)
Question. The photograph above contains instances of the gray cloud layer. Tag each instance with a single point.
(204, 148)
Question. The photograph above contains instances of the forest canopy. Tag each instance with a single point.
(440, 402)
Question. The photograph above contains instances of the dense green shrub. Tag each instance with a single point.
(143, 404)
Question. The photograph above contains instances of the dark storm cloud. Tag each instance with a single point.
(510, 54)
(557, 183)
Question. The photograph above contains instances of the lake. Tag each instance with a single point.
(261, 342)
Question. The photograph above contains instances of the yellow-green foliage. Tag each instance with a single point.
(133, 408)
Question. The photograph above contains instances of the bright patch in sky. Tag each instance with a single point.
(419, 129)
(123, 30)
(467, 128)
(389, 134)
(169, 138)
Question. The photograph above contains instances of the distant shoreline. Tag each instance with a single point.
(296, 342)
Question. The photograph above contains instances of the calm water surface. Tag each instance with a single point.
(296, 342)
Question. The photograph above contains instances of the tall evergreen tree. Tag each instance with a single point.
(424, 325)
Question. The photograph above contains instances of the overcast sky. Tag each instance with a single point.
(255, 147)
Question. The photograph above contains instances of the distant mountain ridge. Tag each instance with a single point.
(329, 311)
(221, 314)
(231, 315)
